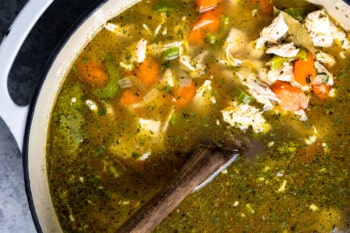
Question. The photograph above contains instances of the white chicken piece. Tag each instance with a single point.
(238, 49)
(301, 115)
(141, 49)
(204, 94)
(273, 33)
(323, 75)
(283, 50)
(169, 77)
(149, 130)
(137, 55)
(260, 91)
(244, 116)
(150, 126)
(120, 31)
(323, 31)
(194, 65)
(152, 95)
(285, 73)
(236, 45)
(325, 58)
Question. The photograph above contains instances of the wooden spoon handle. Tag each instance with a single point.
(205, 161)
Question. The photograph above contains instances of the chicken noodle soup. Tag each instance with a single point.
(167, 75)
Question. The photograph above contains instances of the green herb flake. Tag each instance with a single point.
(135, 155)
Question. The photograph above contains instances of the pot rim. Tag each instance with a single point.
(33, 108)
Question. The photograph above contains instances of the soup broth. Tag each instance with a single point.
(165, 76)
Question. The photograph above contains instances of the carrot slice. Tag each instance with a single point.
(208, 22)
(264, 6)
(304, 70)
(148, 71)
(185, 94)
(92, 73)
(128, 97)
(321, 90)
(205, 5)
(292, 98)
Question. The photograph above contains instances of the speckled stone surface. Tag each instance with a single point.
(15, 216)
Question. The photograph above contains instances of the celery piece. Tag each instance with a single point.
(112, 88)
(211, 38)
(302, 55)
(245, 98)
(171, 53)
(277, 62)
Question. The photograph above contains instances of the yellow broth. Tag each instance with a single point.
(290, 186)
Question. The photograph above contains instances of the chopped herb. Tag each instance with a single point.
(102, 111)
(135, 155)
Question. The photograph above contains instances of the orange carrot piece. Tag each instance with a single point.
(208, 22)
(265, 6)
(292, 98)
(205, 5)
(92, 73)
(304, 70)
(184, 95)
(128, 97)
(321, 90)
(148, 71)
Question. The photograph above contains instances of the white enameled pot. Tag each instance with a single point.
(31, 130)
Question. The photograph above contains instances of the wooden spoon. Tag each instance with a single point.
(205, 161)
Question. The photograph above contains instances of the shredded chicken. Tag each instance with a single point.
(285, 73)
(323, 31)
(323, 76)
(118, 30)
(238, 49)
(273, 33)
(325, 58)
(244, 116)
(141, 48)
(301, 115)
(260, 91)
(283, 50)
(204, 94)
